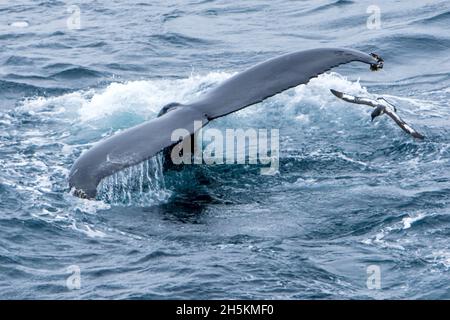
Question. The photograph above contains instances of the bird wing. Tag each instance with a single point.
(402, 124)
(352, 99)
(388, 108)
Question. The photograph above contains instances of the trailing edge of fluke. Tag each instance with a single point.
(139, 143)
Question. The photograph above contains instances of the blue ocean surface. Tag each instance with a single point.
(357, 210)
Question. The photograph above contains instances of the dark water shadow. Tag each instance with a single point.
(191, 197)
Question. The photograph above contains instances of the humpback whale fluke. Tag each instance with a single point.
(382, 106)
(254, 85)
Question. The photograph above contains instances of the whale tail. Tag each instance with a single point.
(252, 86)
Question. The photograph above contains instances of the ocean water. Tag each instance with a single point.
(357, 210)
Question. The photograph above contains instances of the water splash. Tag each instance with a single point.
(141, 185)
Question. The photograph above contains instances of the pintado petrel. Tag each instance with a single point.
(382, 106)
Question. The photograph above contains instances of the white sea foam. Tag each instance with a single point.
(88, 230)
(145, 98)
(408, 221)
(19, 24)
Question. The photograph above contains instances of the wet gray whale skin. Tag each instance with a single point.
(254, 85)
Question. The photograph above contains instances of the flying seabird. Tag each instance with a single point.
(382, 106)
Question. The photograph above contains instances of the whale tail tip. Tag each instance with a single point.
(379, 64)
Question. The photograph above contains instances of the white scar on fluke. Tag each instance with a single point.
(382, 106)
